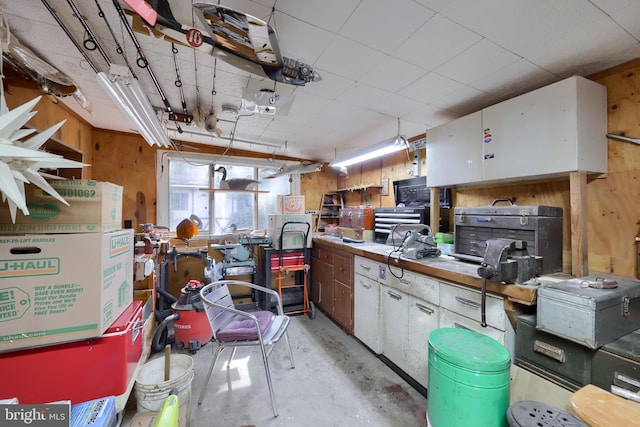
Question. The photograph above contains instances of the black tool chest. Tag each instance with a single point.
(572, 365)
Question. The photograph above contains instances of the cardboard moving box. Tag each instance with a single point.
(94, 207)
(62, 287)
(293, 236)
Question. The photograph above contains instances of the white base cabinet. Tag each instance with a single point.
(423, 318)
(366, 312)
(394, 306)
(394, 316)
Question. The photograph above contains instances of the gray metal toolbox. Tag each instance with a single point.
(589, 316)
(539, 226)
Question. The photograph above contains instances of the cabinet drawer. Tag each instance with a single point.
(342, 269)
(366, 267)
(565, 362)
(449, 319)
(424, 287)
(468, 303)
(325, 255)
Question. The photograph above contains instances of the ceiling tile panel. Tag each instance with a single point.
(393, 74)
(382, 25)
(426, 47)
(348, 59)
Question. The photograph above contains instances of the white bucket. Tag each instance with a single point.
(152, 390)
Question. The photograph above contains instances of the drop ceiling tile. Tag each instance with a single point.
(478, 61)
(514, 79)
(330, 87)
(430, 87)
(465, 100)
(437, 41)
(301, 40)
(348, 59)
(429, 116)
(383, 26)
(328, 14)
(393, 74)
(624, 12)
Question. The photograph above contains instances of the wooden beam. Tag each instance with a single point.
(434, 210)
(579, 241)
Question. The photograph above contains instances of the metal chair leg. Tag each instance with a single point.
(206, 382)
(266, 368)
(286, 338)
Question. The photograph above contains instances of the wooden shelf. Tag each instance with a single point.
(224, 190)
(360, 188)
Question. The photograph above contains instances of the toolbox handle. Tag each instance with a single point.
(503, 199)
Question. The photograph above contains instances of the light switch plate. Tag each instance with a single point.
(384, 191)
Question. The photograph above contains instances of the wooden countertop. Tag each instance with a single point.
(443, 267)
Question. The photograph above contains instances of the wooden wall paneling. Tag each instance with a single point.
(613, 202)
(74, 133)
(128, 160)
(320, 183)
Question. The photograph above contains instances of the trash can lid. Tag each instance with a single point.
(469, 349)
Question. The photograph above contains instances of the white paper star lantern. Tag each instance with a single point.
(20, 161)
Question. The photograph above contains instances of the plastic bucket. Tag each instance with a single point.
(151, 389)
(468, 380)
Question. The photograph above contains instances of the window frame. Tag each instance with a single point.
(164, 157)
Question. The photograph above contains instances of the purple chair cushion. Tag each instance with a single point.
(244, 329)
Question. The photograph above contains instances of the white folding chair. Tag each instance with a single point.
(236, 328)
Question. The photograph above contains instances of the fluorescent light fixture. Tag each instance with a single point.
(127, 94)
(377, 150)
(399, 142)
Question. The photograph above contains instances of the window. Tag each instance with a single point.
(189, 187)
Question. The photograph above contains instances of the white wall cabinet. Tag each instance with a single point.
(454, 152)
(548, 132)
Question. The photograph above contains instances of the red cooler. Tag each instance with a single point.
(78, 371)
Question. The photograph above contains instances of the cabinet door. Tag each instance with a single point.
(395, 323)
(555, 129)
(424, 317)
(314, 285)
(325, 287)
(342, 309)
(454, 152)
(366, 315)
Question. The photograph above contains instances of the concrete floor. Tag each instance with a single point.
(336, 382)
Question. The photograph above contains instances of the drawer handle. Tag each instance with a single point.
(627, 394)
(468, 302)
(549, 350)
(461, 326)
(622, 380)
(365, 285)
(365, 267)
(394, 295)
(424, 308)
(404, 281)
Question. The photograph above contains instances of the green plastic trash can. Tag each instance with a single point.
(468, 380)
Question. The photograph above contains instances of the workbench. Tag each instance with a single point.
(391, 303)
